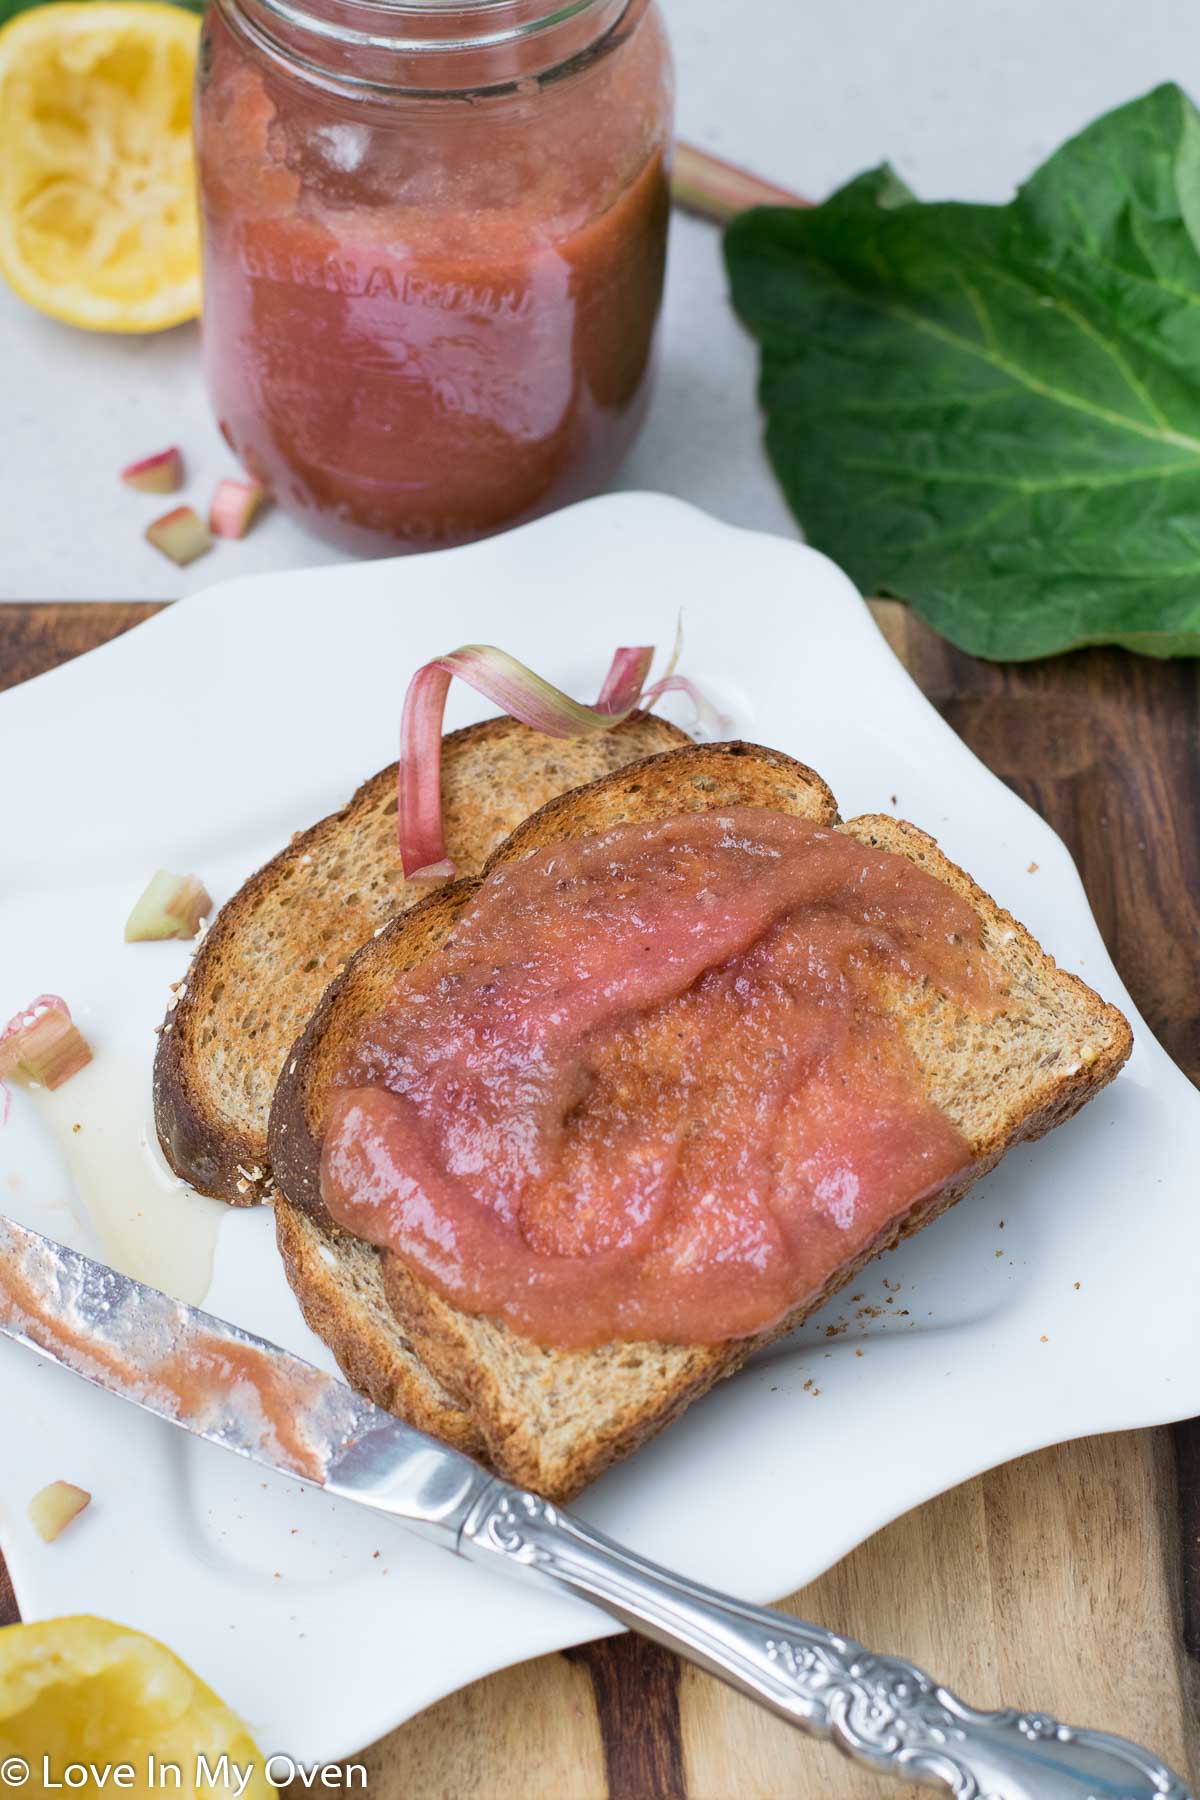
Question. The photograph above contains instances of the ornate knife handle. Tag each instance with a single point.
(880, 1710)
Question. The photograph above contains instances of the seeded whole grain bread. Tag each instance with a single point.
(551, 1419)
(261, 969)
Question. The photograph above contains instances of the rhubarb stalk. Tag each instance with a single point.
(718, 190)
(519, 692)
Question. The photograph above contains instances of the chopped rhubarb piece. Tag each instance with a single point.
(52, 1509)
(52, 1050)
(182, 535)
(172, 906)
(233, 508)
(43, 1044)
(158, 474)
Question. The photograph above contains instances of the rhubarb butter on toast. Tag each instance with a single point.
(653, 1087)
(554, 1417)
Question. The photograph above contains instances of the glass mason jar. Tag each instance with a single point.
(434, 237)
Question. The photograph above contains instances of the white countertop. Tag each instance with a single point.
(965, 97)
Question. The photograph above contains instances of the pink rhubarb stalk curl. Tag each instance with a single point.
(514, 688)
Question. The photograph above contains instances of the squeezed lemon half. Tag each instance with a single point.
(84, 1691)
(97, 199)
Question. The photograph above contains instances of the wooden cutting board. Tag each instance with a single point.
(1068, 1581)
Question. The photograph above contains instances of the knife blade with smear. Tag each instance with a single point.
(249, 1396)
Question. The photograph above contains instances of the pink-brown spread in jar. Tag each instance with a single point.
(434, 240)
(650, 1088)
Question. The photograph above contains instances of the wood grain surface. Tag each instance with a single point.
(1069, 1580)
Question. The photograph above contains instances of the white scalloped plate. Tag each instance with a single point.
(200, 741)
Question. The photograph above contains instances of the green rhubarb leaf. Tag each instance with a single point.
(993, 412)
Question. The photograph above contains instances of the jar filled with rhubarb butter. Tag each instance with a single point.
(434, 239)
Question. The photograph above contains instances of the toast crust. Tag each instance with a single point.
(273, 948)
(553, 1420)
(339, 1285)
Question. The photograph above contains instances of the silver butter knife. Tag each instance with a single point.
(252, 1397)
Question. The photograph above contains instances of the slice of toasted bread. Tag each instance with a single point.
(554, 1419)
(260, 971)
(278, 943)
